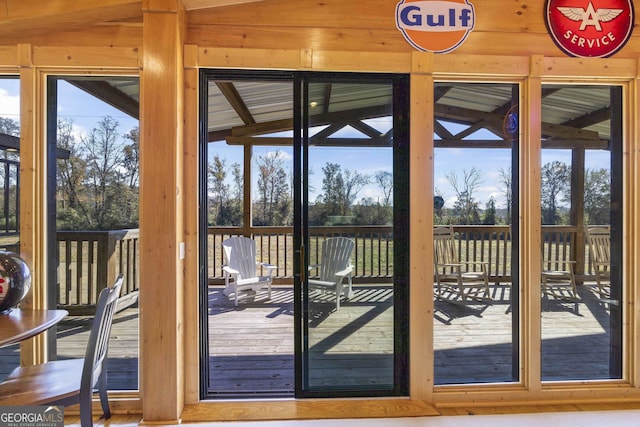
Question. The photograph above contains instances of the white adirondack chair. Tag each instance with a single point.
(335, 257)
(241, 268)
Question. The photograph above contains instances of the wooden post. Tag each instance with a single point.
(577, 208)
(107, 261)
(421, 357)
(161, 212)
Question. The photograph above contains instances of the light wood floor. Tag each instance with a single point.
(610, 415)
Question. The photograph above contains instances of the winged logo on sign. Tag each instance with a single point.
(590, 16)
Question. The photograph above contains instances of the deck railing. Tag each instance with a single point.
(373, 253)
(90, 260)
(373, 259)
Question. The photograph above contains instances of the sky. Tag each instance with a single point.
(85, 111)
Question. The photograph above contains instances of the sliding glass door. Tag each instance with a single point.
(314, 169)
(352, 235)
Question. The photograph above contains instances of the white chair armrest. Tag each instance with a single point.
(344, 272)
(230, 270)
(268, 266)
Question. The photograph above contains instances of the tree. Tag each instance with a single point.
(71, 211)
(131, 161)
(506, 180)
(490, 212)
(556, 181)
(274, 198)
(104, 155)
(597, 196)
(465, 208)
(9, 126)
(217, 191)
(340, 190)
(385, 181)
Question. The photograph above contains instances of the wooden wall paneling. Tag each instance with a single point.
(86, 57)
(320, 38)
(302, 13)
(161, 210)
(491, 15)
(487, 66)
(579, 69)
(191, 232)
(248, 58)
(421, 308)
(122, 35)
(376, 40)
(200, 4)
(9, 57)
(361, 61)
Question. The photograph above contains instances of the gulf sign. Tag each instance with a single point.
(435, 26)
(590, 28)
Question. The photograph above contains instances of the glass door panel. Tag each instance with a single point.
(581, 287)
(351, 226)
(93, 149)
(476, 248)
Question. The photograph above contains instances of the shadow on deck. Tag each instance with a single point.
(251, 346)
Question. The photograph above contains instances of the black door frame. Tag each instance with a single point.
(401, 220)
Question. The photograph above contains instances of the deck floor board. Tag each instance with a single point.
(251, 346)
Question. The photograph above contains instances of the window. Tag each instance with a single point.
(93, 136)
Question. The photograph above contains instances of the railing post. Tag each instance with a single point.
(107, 259)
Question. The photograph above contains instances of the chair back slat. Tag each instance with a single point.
(599, 247)
(335, 256)
(240, 254)
(444, 246)
(98, 345)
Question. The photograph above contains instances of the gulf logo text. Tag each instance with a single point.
(435, 16)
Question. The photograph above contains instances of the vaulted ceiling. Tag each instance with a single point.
(37, 17)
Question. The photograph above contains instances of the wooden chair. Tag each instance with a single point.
(599, 241)
(72, 381)
(241, 268)
(465, 281)
(335, 266)
(558, 279)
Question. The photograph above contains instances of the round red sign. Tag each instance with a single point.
(590, 28)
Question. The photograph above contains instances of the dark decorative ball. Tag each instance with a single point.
(15, 280)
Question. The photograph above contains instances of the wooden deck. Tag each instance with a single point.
(251, 346)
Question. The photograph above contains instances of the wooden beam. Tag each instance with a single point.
(559, 144)
(326, 98)
(323, 142)
(261, 128)
(230, 92)
(318, 120)
(109, 94)
(162, 235)
(469, 116)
